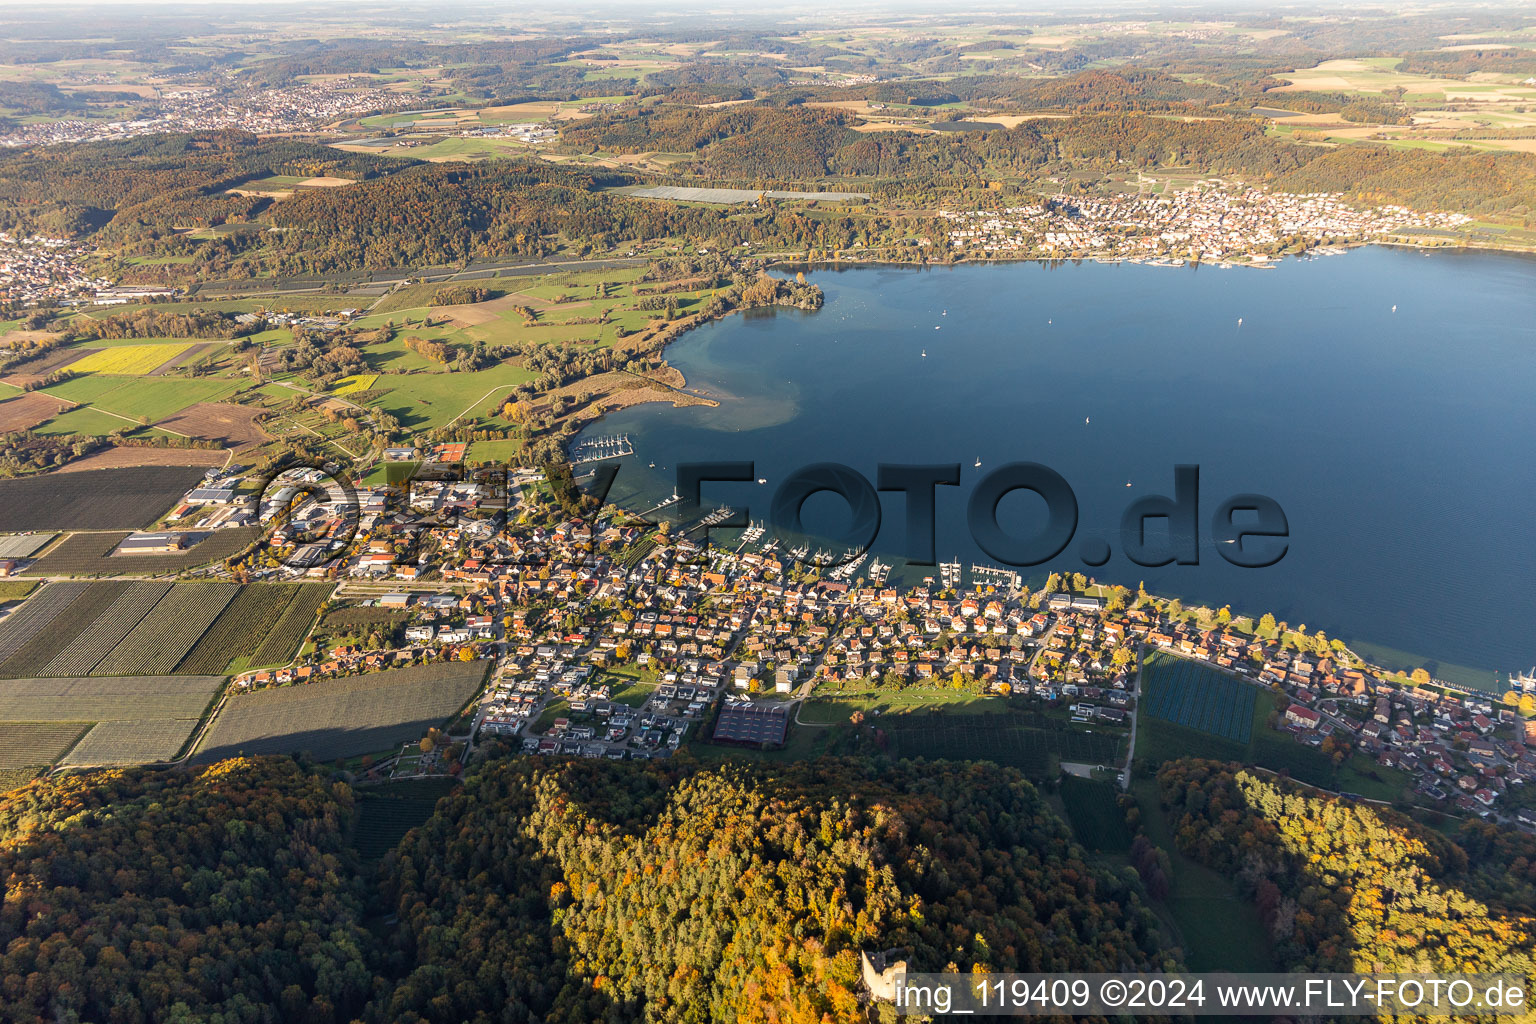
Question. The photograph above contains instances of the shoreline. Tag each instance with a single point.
(780, 263)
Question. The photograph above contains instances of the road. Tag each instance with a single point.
(1130, 753)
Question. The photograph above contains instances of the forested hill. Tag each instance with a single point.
(141, 895)
(1354, 887)
(539, 891)
(156, 183)
(591, 893)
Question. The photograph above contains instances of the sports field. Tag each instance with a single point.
(1190, 694)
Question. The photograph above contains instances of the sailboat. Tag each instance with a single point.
(1239, 321)
(1087, 419)
(1127, 482)
(925, 353)
(978, 462)
(1394, 307)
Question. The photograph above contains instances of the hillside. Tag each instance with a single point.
(556, 891)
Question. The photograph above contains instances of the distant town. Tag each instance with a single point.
(199, 108)
(1213, 221)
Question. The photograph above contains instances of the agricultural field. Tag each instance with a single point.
(1094, 810)
(386, 813)
(61, 629)
(103, 500)
(130, 742)
(1197, 697)
(216, 421)
(84, 554)
(107, 698)
(130, 399)
(133, 456)
(342, 717)
(116, 721)
(36, 744)
(26, 411)
(113, 628)
(1159, 739)
(355, 382)
(129, 360)
(1023, 740)
(24, 545)
(19, 627)
(104, 631)
(169, 630)
(245, 626)
(280, 644)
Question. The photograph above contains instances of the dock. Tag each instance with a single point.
(596, 449)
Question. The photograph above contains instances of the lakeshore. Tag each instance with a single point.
(778, 376)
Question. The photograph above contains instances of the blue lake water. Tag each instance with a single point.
(1399, 443)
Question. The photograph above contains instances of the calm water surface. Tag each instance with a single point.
(1399, 443)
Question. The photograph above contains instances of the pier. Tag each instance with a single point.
(996, 575)
(596, 449)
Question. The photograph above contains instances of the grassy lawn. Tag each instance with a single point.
(1219, 930)
(15, 590)
(632, 692)
(500, 452)
(1362, 775)
(828, 706)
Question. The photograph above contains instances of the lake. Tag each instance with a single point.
(1398, 443)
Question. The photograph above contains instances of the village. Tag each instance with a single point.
(199, 108)
(611, 637)
(36, 269)
(1212, 222)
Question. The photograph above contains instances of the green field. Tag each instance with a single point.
(422, 401)
(828, 705)
(1028, 741)
(1218, 928)
(111, 403)
(499, 452)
